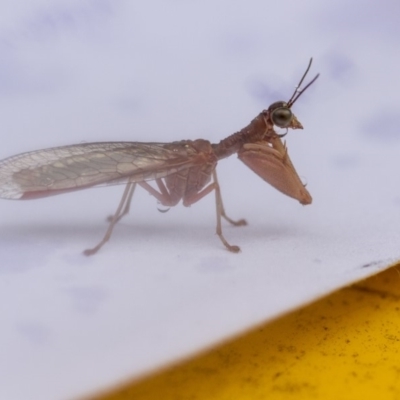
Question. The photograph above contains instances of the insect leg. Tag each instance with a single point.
(221, 213)
(220, 210)
(240, 222)
(163, 196)
(123, 208)
(127, 204)
(271, 161)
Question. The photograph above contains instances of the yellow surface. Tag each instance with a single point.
(345, 346)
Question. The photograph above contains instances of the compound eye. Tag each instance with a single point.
(282, 117)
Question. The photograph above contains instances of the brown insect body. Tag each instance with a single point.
(182, 170)
(187, 184)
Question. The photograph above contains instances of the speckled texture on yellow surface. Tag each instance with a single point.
(345, 346)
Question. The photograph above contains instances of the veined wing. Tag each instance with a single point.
(58, 170)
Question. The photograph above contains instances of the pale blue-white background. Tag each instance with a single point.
(164, 287)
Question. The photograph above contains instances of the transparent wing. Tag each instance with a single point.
(57, 170)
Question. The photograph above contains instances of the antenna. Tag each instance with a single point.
(297, 93)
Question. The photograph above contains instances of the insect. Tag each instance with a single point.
(183, 170)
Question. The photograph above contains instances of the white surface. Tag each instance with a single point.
(164, 286)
